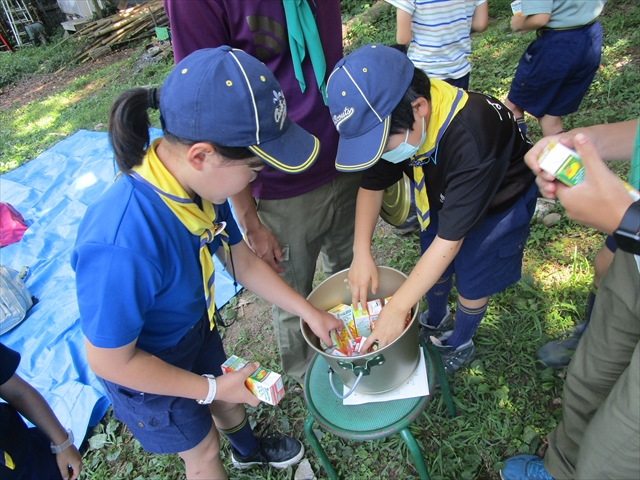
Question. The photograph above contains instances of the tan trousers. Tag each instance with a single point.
(318, 222)
(599, 435)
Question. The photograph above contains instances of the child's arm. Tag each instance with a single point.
(403, 31)
(425, 274)
(30, 404)
(258, 277)
(363, 267)
(134, 368)
(259, 238)
(480, 19)
(529, 22)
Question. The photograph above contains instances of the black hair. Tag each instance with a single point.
(402, 116)
(128, 127)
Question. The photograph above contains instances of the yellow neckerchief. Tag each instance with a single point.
(446, 102)
(199, 221)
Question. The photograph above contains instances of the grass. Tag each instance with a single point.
(507, 404)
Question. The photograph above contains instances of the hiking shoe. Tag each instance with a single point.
(453, 358)
(524, 467)
(275, 450)
(558, 353)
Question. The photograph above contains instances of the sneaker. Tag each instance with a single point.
(453, 359)
(558, 354)
(524, 467)
(277, 451)
(445, 324)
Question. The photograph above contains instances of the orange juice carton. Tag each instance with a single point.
(361, 321)
(562, 162)
(516, 8)
(266, 385)
(345, 313)
(233, 364)
(336, 341)
(263, 383)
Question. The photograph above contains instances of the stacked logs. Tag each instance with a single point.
(101, 36)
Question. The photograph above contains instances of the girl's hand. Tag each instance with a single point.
(69, 462)
(231, 387)
(389, 326)
(362, 272)
(321, 323)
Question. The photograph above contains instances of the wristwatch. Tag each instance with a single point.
(628, 233)
(64, 445)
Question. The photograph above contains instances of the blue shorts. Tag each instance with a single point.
(462, 82)
(555, 71)
(164, 424)
(490, 258)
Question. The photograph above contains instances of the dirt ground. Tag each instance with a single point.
(40, 86)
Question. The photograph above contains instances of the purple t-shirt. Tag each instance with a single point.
(259, 28)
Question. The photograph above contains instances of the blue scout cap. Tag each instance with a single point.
(225, 96)
(362, 91)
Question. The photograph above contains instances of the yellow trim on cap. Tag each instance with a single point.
(286, 168)
(376, 158)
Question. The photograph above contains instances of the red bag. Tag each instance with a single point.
(12, 225)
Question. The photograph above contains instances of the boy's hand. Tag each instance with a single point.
(389, 326)
(69, 462)
(231, 387)
(321, 323)
(363, 270)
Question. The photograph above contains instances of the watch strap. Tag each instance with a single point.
(64, 445)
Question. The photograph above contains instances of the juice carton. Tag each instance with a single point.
(355, 346)
(562, 162)
(266, 385)
(374, 307)
(516, 8)
(263, 383)
(361, 321)
(233, 364)
(345, 313)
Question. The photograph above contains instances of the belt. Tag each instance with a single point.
(542, 30)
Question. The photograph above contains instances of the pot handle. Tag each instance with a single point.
(342, 397)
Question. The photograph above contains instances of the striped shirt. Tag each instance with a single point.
(440, 30)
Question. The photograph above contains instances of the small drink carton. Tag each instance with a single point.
(562, 162)
(516, 8)
(361, 321)
(374, 307)
(263, 383)
(233, 364)
(345, 313)
(355, 346)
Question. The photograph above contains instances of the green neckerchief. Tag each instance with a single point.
(303, 35)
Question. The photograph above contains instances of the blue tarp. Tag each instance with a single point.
(52, 193)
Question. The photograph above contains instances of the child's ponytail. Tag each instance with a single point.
(129, 124)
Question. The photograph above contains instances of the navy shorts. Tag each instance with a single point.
(490, 258)
(555, 71)
(164, 424)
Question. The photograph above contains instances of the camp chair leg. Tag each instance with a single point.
(315, 444)
(444, 382)
(407, 436)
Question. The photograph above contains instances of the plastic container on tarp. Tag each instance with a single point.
(385, 369)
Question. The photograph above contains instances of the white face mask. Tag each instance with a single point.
(405, 150)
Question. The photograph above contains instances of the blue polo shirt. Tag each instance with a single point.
(138, 273)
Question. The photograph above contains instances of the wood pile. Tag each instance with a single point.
(101, 36)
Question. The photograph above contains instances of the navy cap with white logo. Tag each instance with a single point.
(362, 91)
(225, 96)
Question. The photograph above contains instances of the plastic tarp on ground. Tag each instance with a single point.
(52, 193)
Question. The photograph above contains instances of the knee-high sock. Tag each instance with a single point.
(241, 437)
(467, 321)
(522, 125)
(437, 298)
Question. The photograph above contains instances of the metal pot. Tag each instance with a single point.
(384, 369)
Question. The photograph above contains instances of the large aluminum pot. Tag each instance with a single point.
(384, 369)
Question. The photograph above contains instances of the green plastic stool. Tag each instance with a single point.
(368, 421)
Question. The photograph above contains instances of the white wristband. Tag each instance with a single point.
(213, 388)
(64, 445)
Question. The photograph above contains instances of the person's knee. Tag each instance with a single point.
(550, 125)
